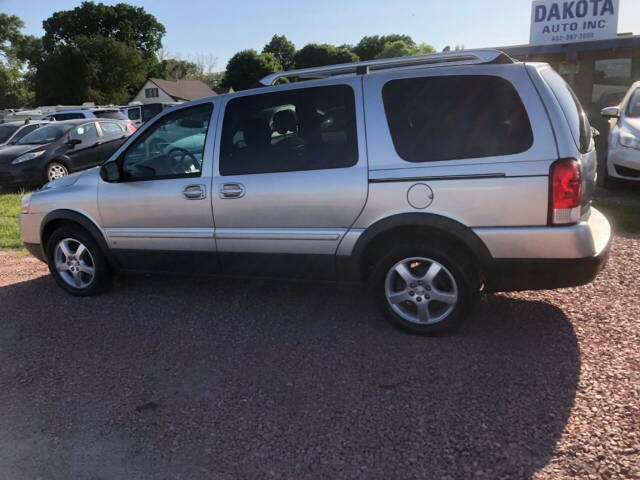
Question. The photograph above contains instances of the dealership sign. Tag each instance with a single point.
(564, 21)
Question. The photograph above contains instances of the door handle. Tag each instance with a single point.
(232, 190)
(194, 192)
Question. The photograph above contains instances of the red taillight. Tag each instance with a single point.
(132, 127)
(566, 192)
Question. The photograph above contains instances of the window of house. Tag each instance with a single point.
(150, 92)
(454, 117)
(293, 130)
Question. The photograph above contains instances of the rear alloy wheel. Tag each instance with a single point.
(76, 262)
(421, 290)
(56, 170)
(424, 289)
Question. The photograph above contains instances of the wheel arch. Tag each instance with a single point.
(388, 230)
(57, 218)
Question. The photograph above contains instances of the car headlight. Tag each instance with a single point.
(27, 156)
(25, 202)
(629, 141)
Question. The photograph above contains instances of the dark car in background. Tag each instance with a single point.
(11, 132)
(59, 148)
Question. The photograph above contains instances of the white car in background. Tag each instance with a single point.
(623, 155)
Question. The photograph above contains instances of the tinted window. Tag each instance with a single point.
(133, 113)
(573, 111)
(453, 117)
(46, 134)
(113, 114)
(110, 128)
(306, 129)
(6, 131)
(68, 116)
(633, 106)
(86, 133)
(151, 110)
(24, 131)
(172, 147)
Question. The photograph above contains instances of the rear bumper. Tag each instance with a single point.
(592, 237)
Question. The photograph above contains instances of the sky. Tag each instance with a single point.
(223, 27)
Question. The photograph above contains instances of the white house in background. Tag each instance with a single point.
(157, 90)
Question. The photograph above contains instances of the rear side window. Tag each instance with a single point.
(133, 113)
(68, 116)
(571, 107)
(111, 128)
(295, 130)
(454, 117)
(113, 114)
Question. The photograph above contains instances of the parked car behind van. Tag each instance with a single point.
(11, 132)
(93, 112)
(476, 173)
(623, 155)
(59, 148)
(140, 114)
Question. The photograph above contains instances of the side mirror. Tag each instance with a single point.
(610, 112)
(72, 142)
(110, 172)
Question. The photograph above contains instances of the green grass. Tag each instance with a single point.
(9, 226)
(622, 208)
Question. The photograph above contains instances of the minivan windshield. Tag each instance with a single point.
(633, 107)
(43, 135)
(112, 114)
(6, 131)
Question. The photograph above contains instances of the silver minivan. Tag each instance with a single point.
(430, 179)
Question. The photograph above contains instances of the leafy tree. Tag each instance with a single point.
(15, 88)
(95, 52)
(314, 55)
(371, 47)
(95, 69)
(246, 67)
(124, 23)
(399, 48)
(283, 49)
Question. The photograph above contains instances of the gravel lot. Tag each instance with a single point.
(224, 378)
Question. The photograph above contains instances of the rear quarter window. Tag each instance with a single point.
(454, 117)
(571, 108)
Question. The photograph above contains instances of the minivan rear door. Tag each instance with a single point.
(290, 176)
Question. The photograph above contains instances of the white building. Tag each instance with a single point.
(157, 90)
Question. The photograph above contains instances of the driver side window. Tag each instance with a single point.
(173, 147)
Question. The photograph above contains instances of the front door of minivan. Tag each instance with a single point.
(291, 177)
(157, 216)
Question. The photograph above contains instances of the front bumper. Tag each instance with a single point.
(27, 173)
(624, 163)
(551, 257)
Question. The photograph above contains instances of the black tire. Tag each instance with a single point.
(102, 276)
(459, 266)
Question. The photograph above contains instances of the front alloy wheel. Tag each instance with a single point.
(74, 263)
(56, 170)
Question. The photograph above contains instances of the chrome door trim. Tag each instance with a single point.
(278, 234)
(160, 232)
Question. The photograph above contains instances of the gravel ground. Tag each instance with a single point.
(221, 378)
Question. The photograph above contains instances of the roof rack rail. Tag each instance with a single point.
(459, 57)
